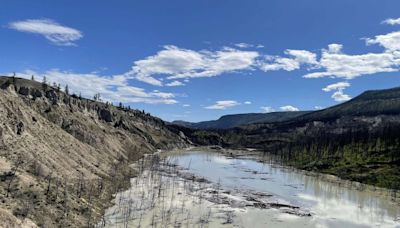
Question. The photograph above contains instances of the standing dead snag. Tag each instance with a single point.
(49, 177)
(65, 198)
(12, 175)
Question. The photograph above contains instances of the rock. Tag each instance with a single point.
(105, 115)
(23, 91)
(20, 128)
(182, 135)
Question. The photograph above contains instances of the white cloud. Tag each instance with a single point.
(186, 105)
(339, 87)
(112, 88)
(337, 64)
(278, 63)
(247, 102)
(390, 41)
(339, 96)
(174, 63)
(392, 21)
(267, 109)
(336, 86)
(318, 107)
(334, 48)
(51, 30)
(223, 104)
(302, 56)
(243, 45)
(289, 108)
(175, 83)
(297, 58)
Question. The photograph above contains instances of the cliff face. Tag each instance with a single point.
(48, 137)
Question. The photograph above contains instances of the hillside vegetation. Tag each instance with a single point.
(62, 156)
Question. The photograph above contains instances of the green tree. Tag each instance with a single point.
(66, 89)
(44, 83)
(96, 97)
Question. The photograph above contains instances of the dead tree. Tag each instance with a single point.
(12, 175)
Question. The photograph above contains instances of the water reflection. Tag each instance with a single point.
(333, 204)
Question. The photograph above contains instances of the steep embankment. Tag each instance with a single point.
(62, 157)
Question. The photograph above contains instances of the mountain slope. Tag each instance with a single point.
(369, 103)
(235, 120)
(62, 157)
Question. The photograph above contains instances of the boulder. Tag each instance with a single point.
(20, 128)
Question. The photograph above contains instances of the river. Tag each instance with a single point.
(201, 188)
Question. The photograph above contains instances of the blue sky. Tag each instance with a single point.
(198, 60)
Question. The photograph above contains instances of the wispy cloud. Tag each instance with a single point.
(223, 104)
(340, 65)
(247, 102)
(335, 63)
(267, 109)
(172, 63)
(289, 108)
(175, 63)
(112, 88)
(336, 86)
(51, 30)
(339, 94)
(293, 62)
(244, 45)
(392, 21)
(175, 83)
(390, 41)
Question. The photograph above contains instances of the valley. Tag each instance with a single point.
(80, 160)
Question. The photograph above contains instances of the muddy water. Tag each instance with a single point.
(207, 189)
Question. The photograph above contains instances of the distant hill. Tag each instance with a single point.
(369, 103)
(231, 121)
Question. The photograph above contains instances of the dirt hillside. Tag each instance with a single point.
(62, 157)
